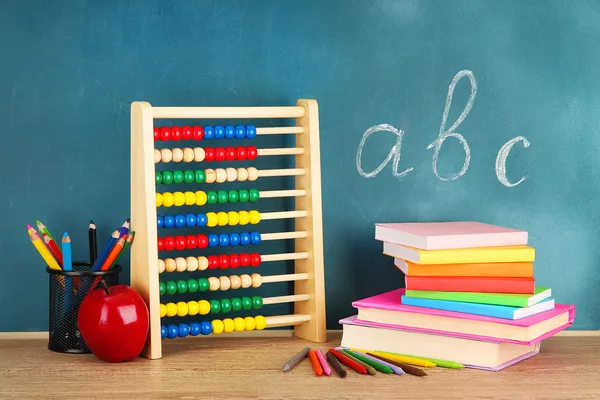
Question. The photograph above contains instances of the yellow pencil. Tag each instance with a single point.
(402, 359)
(43, 250)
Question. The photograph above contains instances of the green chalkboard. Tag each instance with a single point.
(429, 111)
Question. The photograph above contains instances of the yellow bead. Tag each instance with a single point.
(234, 218)
(244, 217)
(203, 307)
(254, 217)
(229, 325)
(217, 326)
(201, 198)
(182, 309)
(179, 199)
(202, 263)
(261, 322)
(168, 199)
(250, 323)
(159, 199)
(190, 198)
(211, 219)
(171, 310)
(240, 324)
(193, 307)
(223, 218)
(163, 310)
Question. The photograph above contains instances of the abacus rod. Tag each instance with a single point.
(286, 299)
(284, 257)
(284, 278)
(280, 151)
(228, 112)
(197, 154)
(268, 194)
(287, 320)
(280, 172)
(283, 235)
(280, 130)
(282, 215)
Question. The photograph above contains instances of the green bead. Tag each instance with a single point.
(167, 177)
(200, 176)
(178, 176)
(211, 196)
(171, 287)
(222, 197)
(158, 178)
(225, 305)
(233, 196)
(246, 303)
(188, 176)
(163, 288)
(203, 284)
(182, 286)
(236, 304)
(192, 285)
(257, 302)
(244, 195)
(254, 195)
(215, 306)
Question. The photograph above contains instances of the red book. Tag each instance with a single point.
(471, 284)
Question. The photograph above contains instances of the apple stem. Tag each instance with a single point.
(104, 286)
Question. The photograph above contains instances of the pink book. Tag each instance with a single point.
(449, 235)
(386, 309)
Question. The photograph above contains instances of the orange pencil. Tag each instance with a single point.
(315, 362)
(54, 248)
(114, 253)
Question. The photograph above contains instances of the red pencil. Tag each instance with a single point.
(54, 249)
(348, 362)
(315, 362)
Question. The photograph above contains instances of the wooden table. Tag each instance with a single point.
(227, 368)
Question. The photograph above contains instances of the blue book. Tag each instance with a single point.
(489, 310)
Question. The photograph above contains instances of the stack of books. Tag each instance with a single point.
(469, 296)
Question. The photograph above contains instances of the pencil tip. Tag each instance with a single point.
(286, 368)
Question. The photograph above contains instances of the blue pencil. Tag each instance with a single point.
(124, 230)
(67, 266)
(109, 246)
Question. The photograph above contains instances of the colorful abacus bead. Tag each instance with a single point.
(216, 326)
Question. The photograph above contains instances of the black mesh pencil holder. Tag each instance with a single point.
(67, 291)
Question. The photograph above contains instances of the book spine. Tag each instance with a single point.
(467, 285)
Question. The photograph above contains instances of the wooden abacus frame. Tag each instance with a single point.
(309, 315)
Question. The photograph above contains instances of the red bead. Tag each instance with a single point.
(213, 262)
(251, 152)
(175, 133)
(165, 133)
(169, 243)
(192, 243)
(230, 153)
(161, 244)
(220, 154)
(197, 132)
(180, 242)
(186, 133)
(223, 261)
(202, 241)
(156, 133)
(209, 154)
(255, 259)
(234, 261)
(244, 259)
(241, 153)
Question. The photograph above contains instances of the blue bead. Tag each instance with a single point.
(234, 239)
(190, 220)
(201, 220)
(169, 221)
(255, 237)
(179, 221)
(160, 221)
(240, 132)
(173, 331)
(245, 238)
(184, 330)
(223, 239)
(219, 132)
(164, 332)
(195, 328)
(206, 328)
(213, 240)
(250, 131)
(229, 132)
(209, 132)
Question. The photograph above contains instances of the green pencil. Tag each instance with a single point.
(439, 363)
(379, 367)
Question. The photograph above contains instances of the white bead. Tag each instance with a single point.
(192, 263)
(225, 283)
(252, 174)
(177, 155)
(161, 266)
(211, 175)
(181, 264)
(188, 155)
(242, 174)
(221, 175)
(157, 156)
(166, 155)
(231, 174)
(199, 154)
(202, 263)
(170, 265)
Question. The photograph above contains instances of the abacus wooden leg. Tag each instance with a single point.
(313, 265)
(144, 257)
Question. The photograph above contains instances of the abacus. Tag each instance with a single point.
(150, 256)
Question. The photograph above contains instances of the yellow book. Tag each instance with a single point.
(501, 254)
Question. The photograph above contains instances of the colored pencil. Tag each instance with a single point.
(349, 362)
(438, 362)
(54, 249)
(296, 360)
(323, 361)
(107, 249)
(409, 369)
(124, 229)
(395, 369)
(314, 360)
(112, 256)
(128, 242)
(381, 367)
(30, 229)
(93, 243)
(43, 250)
(67, 266)
(370, 369)
(335, 364)
(399, 358)
(42, 228)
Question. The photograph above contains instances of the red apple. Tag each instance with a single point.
(114, 323)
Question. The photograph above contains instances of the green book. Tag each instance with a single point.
(502, 299)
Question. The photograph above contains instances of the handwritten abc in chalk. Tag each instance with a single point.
(445, 133)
